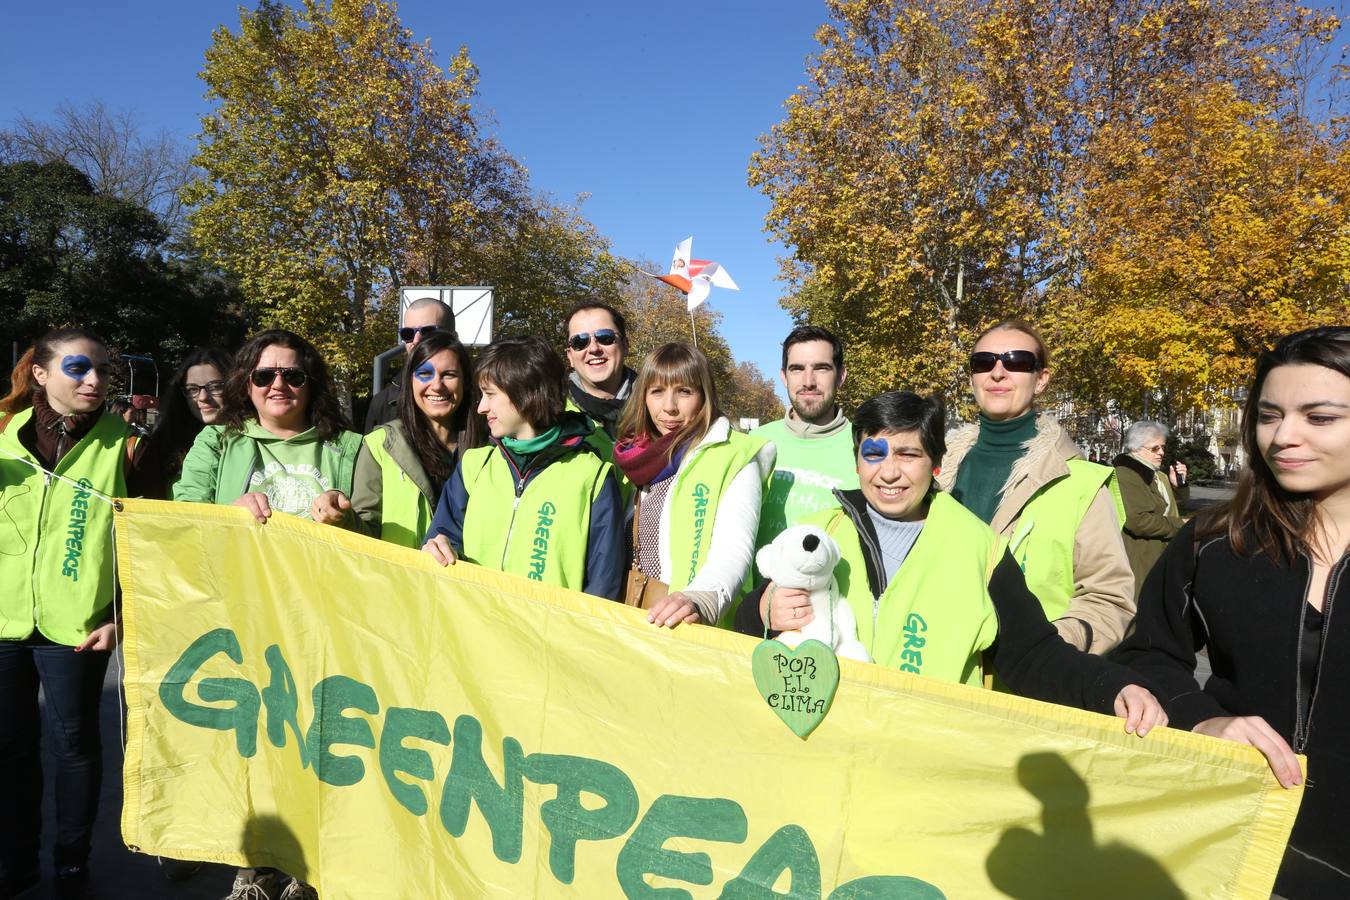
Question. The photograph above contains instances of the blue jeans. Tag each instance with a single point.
(72, 684)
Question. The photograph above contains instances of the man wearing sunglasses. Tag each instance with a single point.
(421, 318)
(599, 383)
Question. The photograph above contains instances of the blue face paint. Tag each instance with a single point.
(76, 367)
(425, 372)
(874, 450)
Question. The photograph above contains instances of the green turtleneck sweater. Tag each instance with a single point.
(985, 470)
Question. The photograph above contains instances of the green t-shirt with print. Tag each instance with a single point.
(292, 471)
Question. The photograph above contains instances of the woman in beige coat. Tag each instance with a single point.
(1021, 473)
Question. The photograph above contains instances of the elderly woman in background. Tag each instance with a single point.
(1153, 497)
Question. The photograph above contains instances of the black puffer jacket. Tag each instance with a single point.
(1249, 612)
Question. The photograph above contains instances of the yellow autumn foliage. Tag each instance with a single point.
(1143, 178)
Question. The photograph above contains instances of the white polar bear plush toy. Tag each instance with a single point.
(804, 557)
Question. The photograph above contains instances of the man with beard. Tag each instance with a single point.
(815, 440)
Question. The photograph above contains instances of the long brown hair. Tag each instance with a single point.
(21, 386)
(673, 363)
(1262, 515)
(466, 425)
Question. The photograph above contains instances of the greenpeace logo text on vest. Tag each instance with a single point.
(539, 551)
(79, 514)
(912, 648)
(701, 497)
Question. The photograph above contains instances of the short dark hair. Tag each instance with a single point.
(324, 412)
(619, 324)
(530, 373)
(904, 411)
(805, 333)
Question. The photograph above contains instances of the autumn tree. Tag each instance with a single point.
(338, 158)
(750, 394)
(543, 259)
(1222, 227)
(1132, 174)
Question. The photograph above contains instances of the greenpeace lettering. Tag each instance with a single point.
(79, 514)
(911, 652)
(702, 496)
(608, 811)
(539, 547)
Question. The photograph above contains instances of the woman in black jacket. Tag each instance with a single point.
(1258, 582)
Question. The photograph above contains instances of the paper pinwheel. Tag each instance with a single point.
(695, 277)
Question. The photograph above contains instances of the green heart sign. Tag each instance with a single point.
(798, 683)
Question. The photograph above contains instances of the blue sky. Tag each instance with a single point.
(651, 109)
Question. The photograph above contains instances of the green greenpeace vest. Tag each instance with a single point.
(805, 474)
(935, 618)
(692, 503)
(540, 534)
(1042, 543)
(405, 512)
(56, 572)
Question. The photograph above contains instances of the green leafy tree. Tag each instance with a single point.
(545, 259)
(111, 147)
(70, 255)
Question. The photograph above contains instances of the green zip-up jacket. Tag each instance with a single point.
(56, 573)
(218, 467)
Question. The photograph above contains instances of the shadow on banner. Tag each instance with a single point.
(1064, 859)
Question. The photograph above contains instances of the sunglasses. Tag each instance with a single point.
(214, 388)
(408, 335)
(1013, 361)
(264, 377)
(605, 337)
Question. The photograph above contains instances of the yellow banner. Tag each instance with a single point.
(350, 712)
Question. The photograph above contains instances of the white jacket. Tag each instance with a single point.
(732, 550)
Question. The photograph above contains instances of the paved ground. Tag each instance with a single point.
(117, 873)
(1202, 496)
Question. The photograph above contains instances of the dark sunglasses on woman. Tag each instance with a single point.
(605, 337)
(264, 376)
(1013, 361)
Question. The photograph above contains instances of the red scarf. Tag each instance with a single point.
(645, 461)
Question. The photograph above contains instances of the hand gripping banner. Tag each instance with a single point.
(351, 713)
